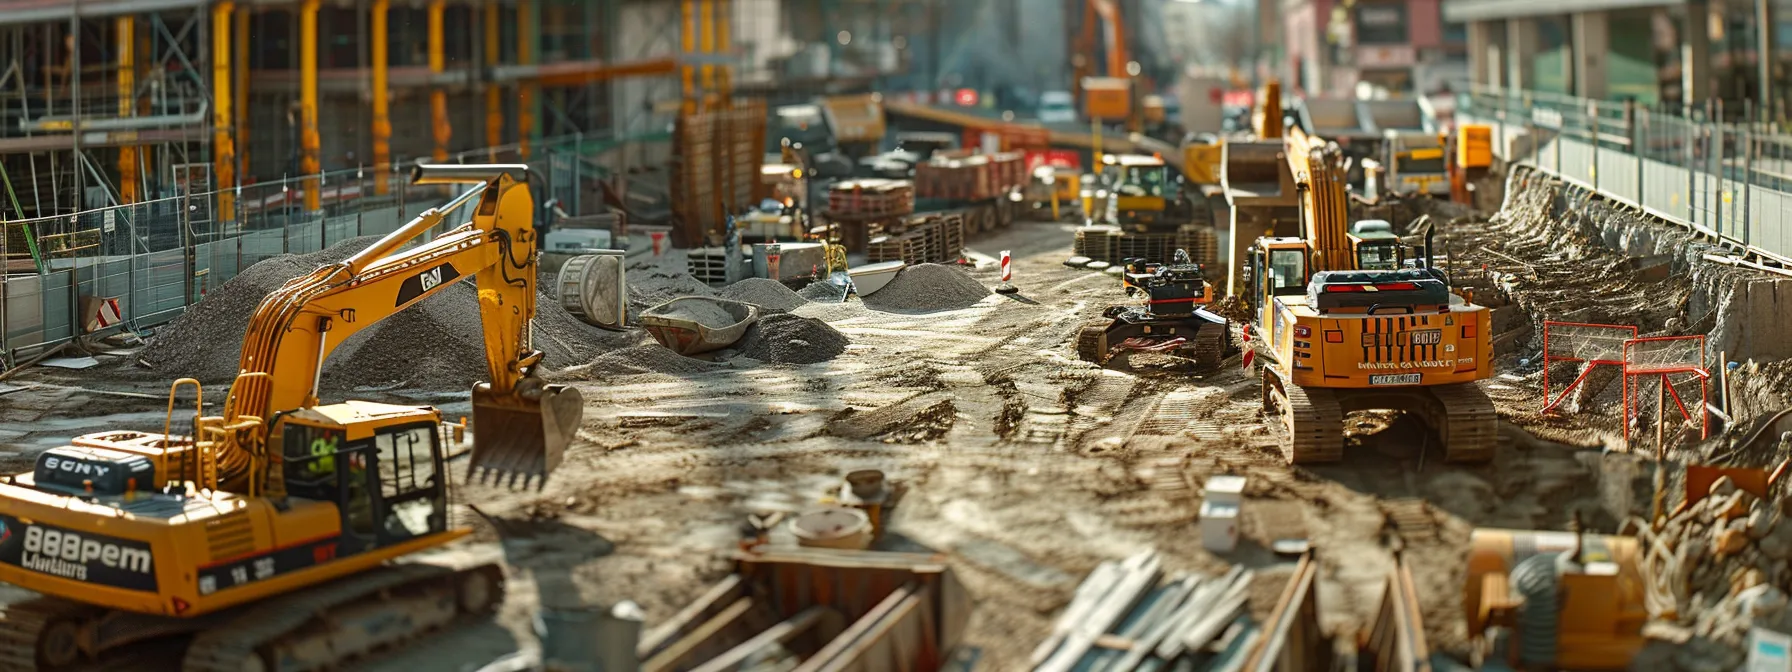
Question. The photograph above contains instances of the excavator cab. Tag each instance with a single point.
(1376, 246)
(382, 466)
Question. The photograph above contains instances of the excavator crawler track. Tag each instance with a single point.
(1209, 347)
(325, 626)
(1091, 343)
(24, 623)
(1312, 416)
(1469, 427)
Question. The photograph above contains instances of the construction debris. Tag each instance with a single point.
(1717, 567)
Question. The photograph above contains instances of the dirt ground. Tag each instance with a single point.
(1024, 465)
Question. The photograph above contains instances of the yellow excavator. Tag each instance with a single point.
(267, 534)
(1348, 319)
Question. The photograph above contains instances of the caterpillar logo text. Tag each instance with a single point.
(68, 555)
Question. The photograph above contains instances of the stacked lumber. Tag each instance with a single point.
(935, 239)
(870, 199)
(1125, 616)
(716, 168)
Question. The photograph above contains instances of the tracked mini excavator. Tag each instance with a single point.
(1350, 319)
(1172, 317)
(268, 535)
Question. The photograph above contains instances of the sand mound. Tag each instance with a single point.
(928, 288)
(764, 292)
(789, 339)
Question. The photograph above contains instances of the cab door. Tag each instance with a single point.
(408, 480)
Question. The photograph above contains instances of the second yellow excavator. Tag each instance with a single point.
(1350, 319)
(264, 536)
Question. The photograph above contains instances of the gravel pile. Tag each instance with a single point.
(789, 339)
(702, 312)
(647, 357)
(437, 344)
(652, 287)
(928, 288)
(823, 292)
(766, 293)
(207, 341)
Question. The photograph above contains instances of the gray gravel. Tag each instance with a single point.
(637, 359)
(701, 312)
(928, 288)
(822, 291)
(766, 293)
(789, 339)
(437, 344)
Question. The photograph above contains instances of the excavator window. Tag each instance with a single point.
(410, 488)
(1287, 272)
(1378, 256)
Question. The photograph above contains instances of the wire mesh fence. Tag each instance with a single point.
(157, 258)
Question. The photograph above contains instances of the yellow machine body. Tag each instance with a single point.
(156, 553)
(1601, 614)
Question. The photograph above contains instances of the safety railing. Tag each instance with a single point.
(1717, 172)
(157, 258)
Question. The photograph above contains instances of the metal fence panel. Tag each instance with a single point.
(379, 222)
(1665, 189)
(259, 245)
(1617, 174)
(1577, 159)
(58, 313)
(1770, 214)
(304, 236)
(24, 308)
(341, 228)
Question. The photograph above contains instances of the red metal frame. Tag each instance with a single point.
(1663, 371)
(1550, 403)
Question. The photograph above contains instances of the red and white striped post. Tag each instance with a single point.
(1007, 275)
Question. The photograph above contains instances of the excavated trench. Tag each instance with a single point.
(1556, 252)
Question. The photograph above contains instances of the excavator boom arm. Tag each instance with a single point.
(296, 327)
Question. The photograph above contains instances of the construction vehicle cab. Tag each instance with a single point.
(1142, 188)
(1375, 246)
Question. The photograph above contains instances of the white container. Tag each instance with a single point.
(872, 277)
(1225, 490)
(1219, 526)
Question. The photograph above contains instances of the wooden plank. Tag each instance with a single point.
(781, 633)
(725, 592)
(1157, 623)
(1292, 640)
(1213, 622)
(1210, 593)
(1100, 581)
(899, 642)
(673, 657)
(857, 630)
(1141, 573)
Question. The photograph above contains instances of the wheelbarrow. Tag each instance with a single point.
(686, 336)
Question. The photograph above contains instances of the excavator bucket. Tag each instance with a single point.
(522, 436)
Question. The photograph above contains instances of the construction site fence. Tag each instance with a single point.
(1720, 172)
(157, 258)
